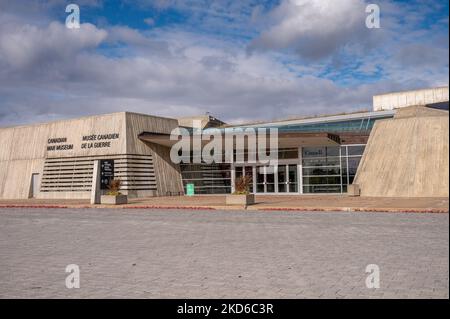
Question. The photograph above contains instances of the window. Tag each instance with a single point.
(330, 169)
(207, 178)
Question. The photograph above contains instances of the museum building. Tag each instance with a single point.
(400, 148)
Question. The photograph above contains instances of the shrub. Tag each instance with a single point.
(113, 187)
(242, 185)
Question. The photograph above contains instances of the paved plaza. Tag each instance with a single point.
(134, 253)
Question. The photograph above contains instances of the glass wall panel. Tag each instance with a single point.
(330, 169)
(350, 163)
(322, 180)
(270, 181)
(207, 178)
(239, 170)
(291, 153)
(282, 179)
(293, 180)
(249, 172)
(321, 161)
(260, 180)
(353, 163)
(313, 152)
(321, 169)
(324, 170)
(357, 150)
(321, 189)
(308, 171)
(244, 156)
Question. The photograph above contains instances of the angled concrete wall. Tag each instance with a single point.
(398, 100)
(168, 175)
(407, 156)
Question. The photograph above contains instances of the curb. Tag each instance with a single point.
(355, 210)
(34, 206)
(165, 207)
(250, 208)
(110, 207)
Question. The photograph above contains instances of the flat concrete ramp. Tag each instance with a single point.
(407, 156)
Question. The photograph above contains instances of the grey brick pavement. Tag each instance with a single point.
(214, 254)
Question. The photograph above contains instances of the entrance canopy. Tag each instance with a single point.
(285, 139)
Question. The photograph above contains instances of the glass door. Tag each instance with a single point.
(292, 182)
(248, 171)
(287, 178)
(282, 179)
(265, 179)
(270, 179)
(260, 179)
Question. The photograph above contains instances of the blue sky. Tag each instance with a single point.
(239, 60)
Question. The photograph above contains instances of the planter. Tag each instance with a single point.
(114, 200)
(243, 200)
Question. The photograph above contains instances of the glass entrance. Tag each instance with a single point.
(282, 179)
(267, 180)
(292, 178)
(287, 178)
(270, 179)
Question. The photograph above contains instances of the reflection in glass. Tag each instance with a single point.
(270, 182)
(324, 169)
(282, 179)
(207, 178)
(293, 183)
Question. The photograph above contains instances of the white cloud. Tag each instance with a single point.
(315, 29)
(23, 46)
(48, 71)
(189, 78)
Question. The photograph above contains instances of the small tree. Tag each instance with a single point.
(113, 187)
(242, 185)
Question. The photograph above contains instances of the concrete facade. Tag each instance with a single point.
(407, 156)
(55, 160)
(396, 100)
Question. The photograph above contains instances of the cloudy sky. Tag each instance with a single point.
(239, 60)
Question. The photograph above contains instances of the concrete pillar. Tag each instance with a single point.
(233, 178)
(300, 170)
(95, 190)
